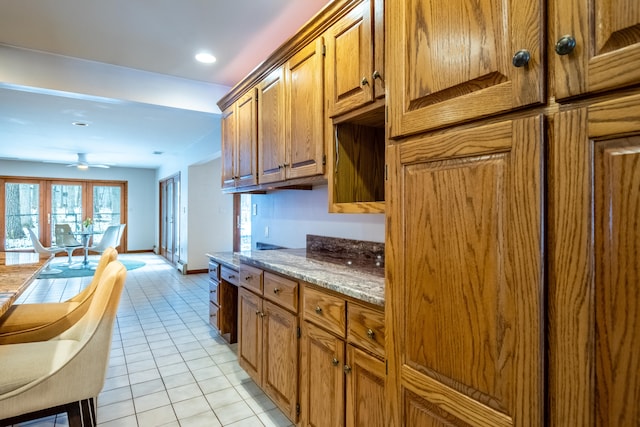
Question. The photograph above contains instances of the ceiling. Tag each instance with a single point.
(146, 36)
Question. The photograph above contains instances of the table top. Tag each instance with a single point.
(17, 271)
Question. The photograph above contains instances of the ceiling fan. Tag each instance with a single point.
(82, 163)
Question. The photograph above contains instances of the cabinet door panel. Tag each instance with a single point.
(607, 51)
(350, 60)
(247, 160)
(250, 334)
(594, 304)
(365, 389)
(321, 378)
(455, 63)
(305, 112)
(229, 137)
(466, 274)
(271, 126)
(280, 357)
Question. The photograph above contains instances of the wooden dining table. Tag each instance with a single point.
(17, 271)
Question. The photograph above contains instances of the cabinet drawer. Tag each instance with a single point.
(281, 290)
(325, 310)
(229, 275)
(213, 316)
(365, 328)
(214, 270)
(213, 292)
(251, 278)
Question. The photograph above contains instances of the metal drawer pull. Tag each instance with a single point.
(318, 310)
(335, 362)
(371, 334)
(276, 290)
(248, 278)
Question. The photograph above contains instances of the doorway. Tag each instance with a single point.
(169, 233)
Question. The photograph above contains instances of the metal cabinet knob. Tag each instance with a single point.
(565, 45)
(335, 362)
(347, 369)
(318, 310)
(371, 334)
(376, 75)
(364, 81)
(276, 290)
(521, 58)
(248, 278)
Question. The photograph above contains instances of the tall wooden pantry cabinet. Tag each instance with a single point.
(513, 192)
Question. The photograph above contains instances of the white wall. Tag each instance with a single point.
(210, 214)
(292, 214)
(141, 210)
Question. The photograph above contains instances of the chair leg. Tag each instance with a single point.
(74, 414)
(88, 413)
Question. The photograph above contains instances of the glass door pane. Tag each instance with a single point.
(21, 210)
(106, 209)
(66, 207)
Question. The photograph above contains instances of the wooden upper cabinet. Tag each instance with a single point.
(228, 147)
(271, 127)
(594, 248)
(606, 36)
(355, 58)
(247, 147)
(453, 61)
(464, 317)
(304, 74)
(239, 143)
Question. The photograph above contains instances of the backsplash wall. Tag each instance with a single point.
(292, 214)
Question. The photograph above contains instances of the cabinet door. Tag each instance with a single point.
(280, 358)
(607, 45)
(451, 61)
(250, 334)
(228, 146)
(365, 389)
(247, 148)
(350, 60)
(271, 128)
(305, 112)
(465, 284)
(321, 378)
(594, 248)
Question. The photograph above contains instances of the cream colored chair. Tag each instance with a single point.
(38, 322)
(65, 239)
(66, 373)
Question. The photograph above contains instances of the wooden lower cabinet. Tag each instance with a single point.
(322, 378)
(268, 348)
(594, 253)
(465, 283)
(223, 301)
(365, 400)
(342, 382)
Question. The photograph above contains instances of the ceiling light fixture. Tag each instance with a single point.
(205, 58)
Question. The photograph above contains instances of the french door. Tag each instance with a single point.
(170, 218)
(42, 203)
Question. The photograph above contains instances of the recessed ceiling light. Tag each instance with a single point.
(205, 58)
(80, 124)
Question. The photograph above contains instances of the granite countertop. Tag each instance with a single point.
(230, 259)
(351, 278)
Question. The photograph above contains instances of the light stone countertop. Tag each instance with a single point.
(348, 280)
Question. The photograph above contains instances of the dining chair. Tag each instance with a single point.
(109, 239)
(65, 239)
(39, 248)
(37, 322)
(67, 372)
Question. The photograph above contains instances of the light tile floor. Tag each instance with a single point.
(167, 366)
